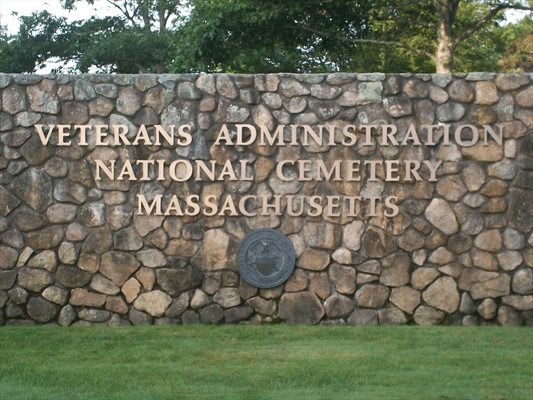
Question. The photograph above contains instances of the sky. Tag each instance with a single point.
(83, 10)
(26, 7)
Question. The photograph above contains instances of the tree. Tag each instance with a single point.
(270, 36)
(450, 32)
(259, 36)
(138, 40)
(518, 55)
(419, 35)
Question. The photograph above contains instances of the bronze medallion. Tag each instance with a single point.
(265, 258)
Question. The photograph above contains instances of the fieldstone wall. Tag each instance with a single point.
(426, 218)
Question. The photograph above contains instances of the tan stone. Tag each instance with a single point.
(82, 297)
(484, 260)
(451, 188)
(263, 166)
(116, 304)
(214, 254)
(395, 270)
(88, 262)
(440, 214)
(182, 248)
(352, 234)
(319, 284)
(131, 289)
(314, 260)
(487, 309)
(443, 295)
(482, 284)
(479, 152)
(405, 298)
(146, 277)
(154, 303)
(441, 256)
(372, 296)
(423, 276)
(486, 93)
(298, 281)
(489, 240)
(428, 316)
(343, 278)
(322, 235)
(144, 224)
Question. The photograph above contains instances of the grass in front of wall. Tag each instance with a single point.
(266, 362)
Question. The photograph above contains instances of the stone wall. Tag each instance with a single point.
(383, 240)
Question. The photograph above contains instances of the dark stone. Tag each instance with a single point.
(75, 113)
(300, 308)
(212, 314)
(237, 314)
(6, 122)
(338, 306)
(34, 279)
(28, 220)
(396, 270)
(127, 239)
(34, 152)
(520, 212)
(118, 266)
(92, 214)
(99, 241)
(34, 187)
(524, 180)
(72, 277)
(189, 317)
(139, 318)
(18, 295)
(46, 238)
(7, 279)
(14, 311)
(41, 310)
(7, 202)
(67, 191)
(398, 106)
(178, 306)
(16, 167)
(193, 232)
(175, 281)
(459, 243)
(262, 306)
(81, 173)
(93, 315)
(526, 148)
(8, 257)
(363, 317)
(377, 243)
(13, 238)
(16, 138)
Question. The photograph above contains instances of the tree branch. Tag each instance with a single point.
(482, 21)
(124, 11)
(373, 41)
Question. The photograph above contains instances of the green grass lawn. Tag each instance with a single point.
(266, 362)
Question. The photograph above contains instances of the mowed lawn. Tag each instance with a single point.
(266, 362)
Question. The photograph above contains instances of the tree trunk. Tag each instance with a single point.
(444, 59)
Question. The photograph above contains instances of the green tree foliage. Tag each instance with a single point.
(269, 36)
(254, 36)
(135, 41)
(518, 38)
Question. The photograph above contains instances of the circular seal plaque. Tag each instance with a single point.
(265, 258)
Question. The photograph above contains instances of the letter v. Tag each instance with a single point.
(44, 139)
